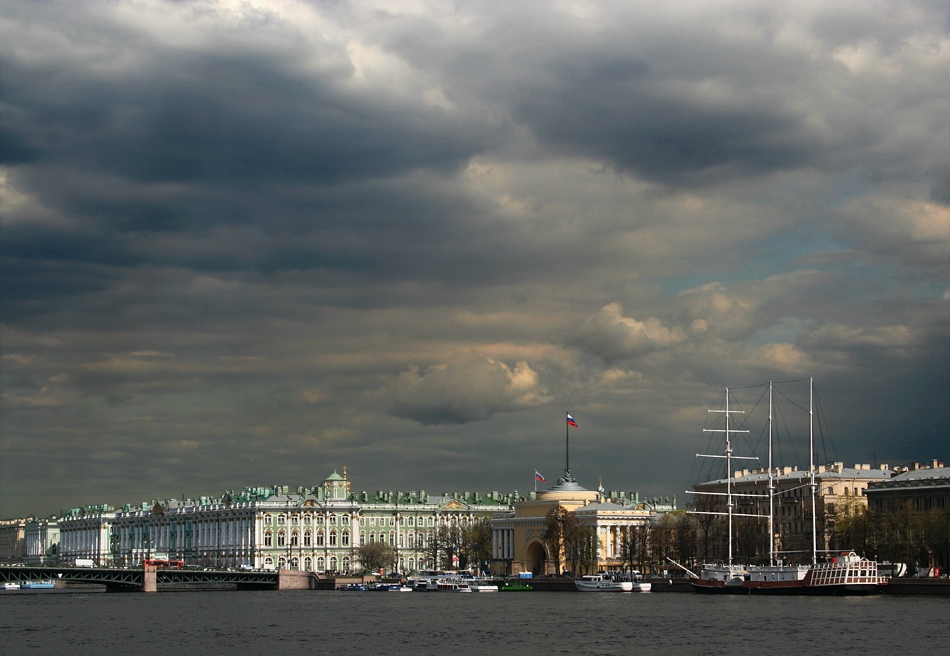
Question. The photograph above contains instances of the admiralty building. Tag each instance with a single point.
(315, 529)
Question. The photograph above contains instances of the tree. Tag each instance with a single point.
(376, 556)
(432, 548)
(581, 547)
(554, 534)
(476, 544)
(450, 543)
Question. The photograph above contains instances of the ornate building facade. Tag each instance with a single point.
(518, 537)
(316, 529)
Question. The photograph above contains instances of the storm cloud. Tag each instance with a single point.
(248, 243)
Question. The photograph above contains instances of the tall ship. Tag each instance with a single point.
(845, 573)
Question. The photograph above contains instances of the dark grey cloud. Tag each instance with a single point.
(250, 243)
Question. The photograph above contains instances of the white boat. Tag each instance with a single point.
(483, 585)
(11, 586)
(603, 583)
(639, 585)
(453, 584)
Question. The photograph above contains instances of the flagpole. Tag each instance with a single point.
(567, 447)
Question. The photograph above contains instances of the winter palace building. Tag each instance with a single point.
(315, 529)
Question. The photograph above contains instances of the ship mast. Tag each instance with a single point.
(729, 457)
(771, 488)
(811, 470)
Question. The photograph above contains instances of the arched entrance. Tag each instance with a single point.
(537, 558)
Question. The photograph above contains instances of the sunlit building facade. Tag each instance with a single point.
(316, 529)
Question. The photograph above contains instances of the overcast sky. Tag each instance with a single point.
(248, 243)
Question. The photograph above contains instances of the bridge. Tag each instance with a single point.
(152, 579)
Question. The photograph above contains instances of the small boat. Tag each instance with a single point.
(392, 587)
(603, 583)
(353, 587)
(639, 585)
(37, 585)
(11, 586)
(516, 586)
(483, 585)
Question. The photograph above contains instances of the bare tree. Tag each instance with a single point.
(376, 556)
(476, 544)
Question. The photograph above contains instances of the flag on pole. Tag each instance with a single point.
(539, 477)
(570, 421)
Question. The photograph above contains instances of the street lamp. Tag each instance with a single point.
(114, 547)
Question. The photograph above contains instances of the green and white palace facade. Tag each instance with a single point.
(316, 529)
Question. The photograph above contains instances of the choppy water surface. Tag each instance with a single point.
(314, 622)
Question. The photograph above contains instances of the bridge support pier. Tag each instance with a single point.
(294, 580)
(150, 579)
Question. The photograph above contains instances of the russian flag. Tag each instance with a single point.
(539, 477)
(570, 421)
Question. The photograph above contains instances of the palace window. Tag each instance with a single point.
(332, 519)
(346, 538)
(268, 518)
(392, 539)
(372, 521)
(281, 520)
(362, 521)
(308, 564)
(392, 521)
(400, 541)
(429, 521)
(307, 537)
(281, 539)
(319, 538)
(333, 563)
(332, 538)
(411, 521)
(402, 520)
(362, 538)
(372, 538)
(294, 520)
(268, 539)
(307, 519)
(346, 520)
(321, 564)
(412, 541)
(294, 539)
(346, 564)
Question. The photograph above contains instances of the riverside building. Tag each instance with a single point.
(838, 488)
(308, 528)
(518, 536)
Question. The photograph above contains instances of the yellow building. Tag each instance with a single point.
(518, 537)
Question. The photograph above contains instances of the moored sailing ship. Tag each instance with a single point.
(847, 573)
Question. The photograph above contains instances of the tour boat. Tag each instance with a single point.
(453, 585)
(483, 585)
(11, 586)
(602, 583)
(37, 585)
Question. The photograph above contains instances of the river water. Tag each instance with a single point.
(325, 622)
